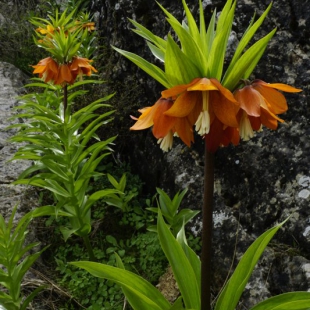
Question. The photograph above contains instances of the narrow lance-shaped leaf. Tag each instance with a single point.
(247, 62)
(148, 35)
(178, 67)
(181, 266)
(154, 71)
(233, 289)
(193, 29)
(218, 49)
(248, 35)
(190, 254)
(157, 52)
(286, 301)
(144, 296)
(190, 47)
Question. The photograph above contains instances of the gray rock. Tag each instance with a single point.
(11, 85)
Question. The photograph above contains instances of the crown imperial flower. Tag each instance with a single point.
(260, 102)
(200, 92)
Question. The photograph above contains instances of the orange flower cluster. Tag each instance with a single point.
(49, 70)
(218, 115)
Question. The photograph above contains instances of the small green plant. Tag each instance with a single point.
(16, 261)
(170, 210)
(92, 293)
(140, 253)
(119, 199)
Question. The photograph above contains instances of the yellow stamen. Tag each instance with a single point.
(246, 131)
(203, 121)
(166, 142)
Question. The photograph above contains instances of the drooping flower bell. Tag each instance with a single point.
(260, 102)
(47, 69)
(164, 126)
(198, 103)
(81, 66)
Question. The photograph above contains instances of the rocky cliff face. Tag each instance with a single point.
(258, 183)
(11, 83)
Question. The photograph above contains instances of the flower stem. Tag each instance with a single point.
(65, 102)
(207, 224)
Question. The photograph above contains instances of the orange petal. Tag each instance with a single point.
(39, 69)
(176, 90)
(184, 104)
(53, 66)
(146, 118)
(202, 84)
(279, 86)
(224, 109)
(194, 114)
(224, 91)
(270, 120)
(162, 123)
(184, 130)
(250, 100)
(65, 73)
(275, 99)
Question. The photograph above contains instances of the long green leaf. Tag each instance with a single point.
(181, 266)
(193, 29)
(178, 67)
(30, 297)
(47, 211)
(219, 44)
(157, 52)
(247, 62)
(286, 301)
(55, 168)
(232, 291)
(50, 185)
(144, 296)
(190, 254)
(222, 20)
(154, 71)
(191, 47)
(148, 35)
(248, 35)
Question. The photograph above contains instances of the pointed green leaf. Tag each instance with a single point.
(248, 35)
(193, 29)
(233, 289)
(191, 48)
(286, 301)
(55, 168)
(98, 195)
(181, 266)
(148, 35)
(154, 71)
(190, 254)
(219, 45)
(178, 67)
(157, 52)
(222, 20)
(247, 62)
(140, 293)
(66, 232)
